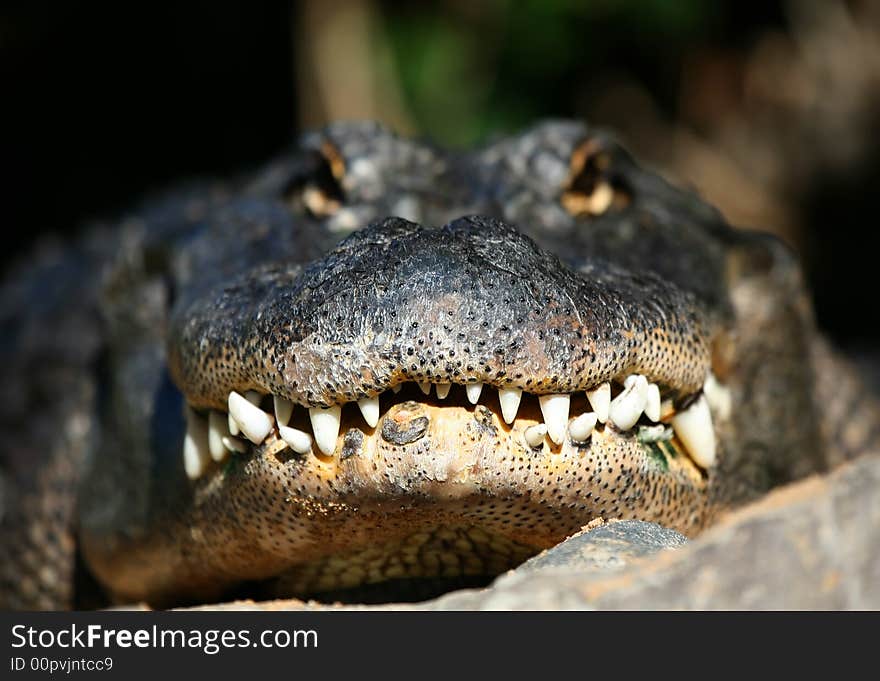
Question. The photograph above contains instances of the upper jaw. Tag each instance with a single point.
(475, 301)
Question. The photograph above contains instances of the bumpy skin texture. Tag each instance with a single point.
(575, 266)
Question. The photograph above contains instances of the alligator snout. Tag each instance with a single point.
(473, 302)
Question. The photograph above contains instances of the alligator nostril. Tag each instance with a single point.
(404, 423)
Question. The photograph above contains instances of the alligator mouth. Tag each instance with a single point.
(373, 415)
(633, 407)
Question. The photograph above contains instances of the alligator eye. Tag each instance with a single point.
(319, 189)
(591, 188)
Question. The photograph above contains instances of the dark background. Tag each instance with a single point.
(769, 109)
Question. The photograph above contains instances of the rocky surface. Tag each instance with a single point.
(811, 545)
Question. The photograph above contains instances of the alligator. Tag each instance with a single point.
(376, 369)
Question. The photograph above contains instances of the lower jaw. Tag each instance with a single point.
(413, 567)
(461, 497)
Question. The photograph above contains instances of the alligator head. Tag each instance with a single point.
(381, 363)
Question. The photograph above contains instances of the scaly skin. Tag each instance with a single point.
(578, 267)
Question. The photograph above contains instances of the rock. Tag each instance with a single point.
(811, 545)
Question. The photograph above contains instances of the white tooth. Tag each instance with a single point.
(652, 402)
(283, 409)
(325, 426)
(397, 388)
(196, 455)
(718, 396)
(581, 427)
(626, 408)
(217, 430)
(443, 390)
(473, 391)
(693, 426)
(425, 387)
(233, 426)
(658, 433)
(233, 444)
(509, 399)
(555, 410)
(369, 407)
(600, 399)
(253, 397)
(534, 435)
(253, 421)
(298, 441)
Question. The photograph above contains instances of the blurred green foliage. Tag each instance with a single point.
(470, 70)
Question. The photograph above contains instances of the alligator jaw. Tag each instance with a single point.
(475, 387)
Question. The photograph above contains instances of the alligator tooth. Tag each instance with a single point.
(217, 430)
(233, 444)
(325, 426)
(396, 388)
(252, 420)
(509, 399)
(369, 407)
(718, 396)
(600, 399)
(534, 435)
(658, 433)
(473, 391)
(652, 402)
(693, 426)
(233, 426)
(297, 440)
(196, 455)
(443, 390)
(581, 427)
(555, 411)
(425, 387)
(626, 408)
(283, 409)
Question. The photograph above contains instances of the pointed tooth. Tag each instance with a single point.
(652, 402)
(283, 409)
(718, 396)
(534, 435)
(298, 440)
(396, 388)
(425, 387)
(600, 400)
(217, 430)
(443, 390)
(555, 411)
(581, 427)
(473, 391)
(626, 408)
(233, 426)
(233, 444)
(693, 426)
(509, 399)
(325, 426)
(253, 421)
(369, 407)
(196, 455)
